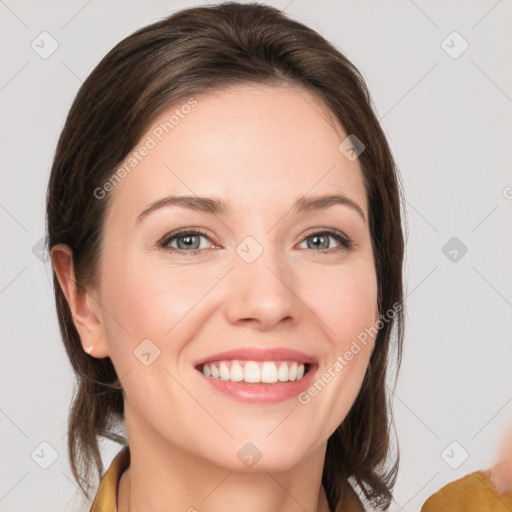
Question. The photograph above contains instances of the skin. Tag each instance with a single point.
(501, 469)
(260, 148)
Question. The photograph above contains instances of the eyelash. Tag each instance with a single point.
(345, 242)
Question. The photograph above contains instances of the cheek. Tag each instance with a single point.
(345, 300)
(347, 308)
(158, 303)
(153, 302)
(146, 329)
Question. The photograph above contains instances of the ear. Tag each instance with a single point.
(84, 306)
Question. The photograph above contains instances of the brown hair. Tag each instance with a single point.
(194, 51)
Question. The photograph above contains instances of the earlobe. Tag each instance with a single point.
(85, 309)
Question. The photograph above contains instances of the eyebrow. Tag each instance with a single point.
(217, 206)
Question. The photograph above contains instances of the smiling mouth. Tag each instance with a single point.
(255, 372)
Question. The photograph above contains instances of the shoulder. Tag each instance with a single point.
(106, 496)
(473, 492)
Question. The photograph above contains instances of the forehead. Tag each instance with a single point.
(253, 145)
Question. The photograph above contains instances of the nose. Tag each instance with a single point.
(262, 292)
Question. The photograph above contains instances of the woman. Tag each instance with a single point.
(224, 220)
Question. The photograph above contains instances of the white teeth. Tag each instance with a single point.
(223, 371)
(292, 374)
(237, 372)
(267, 372)
(252, 372)
(283, 372)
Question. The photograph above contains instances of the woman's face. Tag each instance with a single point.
(257, 276)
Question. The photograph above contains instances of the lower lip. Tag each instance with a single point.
(260, 392)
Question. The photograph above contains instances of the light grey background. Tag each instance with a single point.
(449, 123)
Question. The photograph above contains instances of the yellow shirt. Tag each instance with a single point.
(471, 493)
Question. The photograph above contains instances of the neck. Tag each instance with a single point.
(163, 477)
(125, 502)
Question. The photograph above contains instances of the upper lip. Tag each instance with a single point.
(260, 354)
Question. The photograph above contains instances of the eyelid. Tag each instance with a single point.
(162, 243)
(346, 242)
